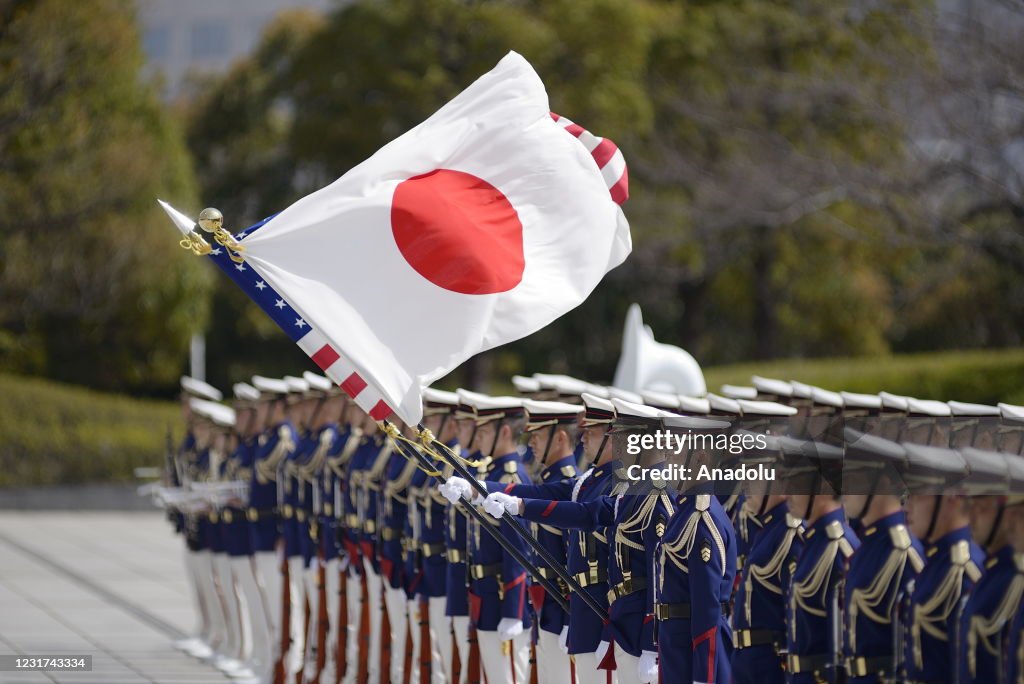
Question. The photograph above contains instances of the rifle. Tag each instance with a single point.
(286, 603)
(556, 566)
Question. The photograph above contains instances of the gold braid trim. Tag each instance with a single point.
(933, 615)
(763, 574)
(266, 470)
(876, 601)
(681, 547)
(308, 471)
(982, 629)
(337, 463)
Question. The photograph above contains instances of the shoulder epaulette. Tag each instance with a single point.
(568, 471)
(834, 530)
(511, 467)
(900, 537)
(793, 522)
(703, 502)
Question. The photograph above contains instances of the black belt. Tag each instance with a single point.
(745, 638)
(860, 666)
(592, 576)
(257, 514)
(481, 571)
(680, 611)
(799, 664)
(431, 550)
(232, 514)
(625, 588)
(456, 556)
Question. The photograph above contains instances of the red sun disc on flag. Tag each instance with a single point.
(459, 232)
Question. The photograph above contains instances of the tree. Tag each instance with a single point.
(94, 290)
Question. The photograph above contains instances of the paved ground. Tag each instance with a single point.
(110, 585)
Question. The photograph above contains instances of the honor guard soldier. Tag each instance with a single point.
(309, 471)
(197, 560)
(813, 620)
(553, 429)
(295, 523)
(938, 514)
(273, 446)
(456, 533)
(370, 472)
(393, 505)
(432, 511)
(587, 549)
(329, 482)
(694, 571)
(498, 583)
(996, 597)
(759, 609)
(249, 417)
(228, 652)
(888, 560)
(1014, 653)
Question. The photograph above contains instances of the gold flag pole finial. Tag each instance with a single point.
(212, 222)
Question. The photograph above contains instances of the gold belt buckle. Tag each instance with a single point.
(252, 514)
(328, 509)
(227, 516)
(213, 516)
(288, 510)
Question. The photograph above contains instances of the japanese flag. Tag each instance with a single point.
(478, 227)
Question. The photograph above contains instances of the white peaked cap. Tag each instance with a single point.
(198, 388)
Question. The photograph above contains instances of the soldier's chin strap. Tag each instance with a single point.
(934, 518)
(600, 449)
(995, 525)
(547, 446)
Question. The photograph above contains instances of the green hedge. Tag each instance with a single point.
(56, 434)
(977, 376)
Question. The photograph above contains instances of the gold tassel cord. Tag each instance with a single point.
(396, 437)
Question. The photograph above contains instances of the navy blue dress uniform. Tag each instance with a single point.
(696, 572)
(880, 571)
(273, 446)
(759, 612)
(887, 561)
(560, 503)
(952, 566)
(811, 648)
(498, 584)
(996, 597)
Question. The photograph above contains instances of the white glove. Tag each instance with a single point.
(509, 628)
(563, 639)
(647, 667)
(454, 489)
(498, 503)
(602, 649)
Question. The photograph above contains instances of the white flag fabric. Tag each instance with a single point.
(476, 228)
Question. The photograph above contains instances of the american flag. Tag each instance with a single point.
(606, 155)
(309, 339)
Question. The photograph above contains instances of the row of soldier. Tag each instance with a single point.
(404, 557)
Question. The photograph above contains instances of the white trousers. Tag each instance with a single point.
(399, 622)
(268, 574)
(332, 580)
(587, 672)
(626, 667)
(217, 629)
(231, 646)
(354, 592)
(460, 628)
(552, 663)
(375, 589)
(297, 625)
(504, 662)
(256, 627)
(202, 630)
(311, 579)
(440, 640)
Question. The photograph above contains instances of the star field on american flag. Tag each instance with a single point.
(300, 332)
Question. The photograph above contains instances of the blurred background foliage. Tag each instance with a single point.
(810, 179)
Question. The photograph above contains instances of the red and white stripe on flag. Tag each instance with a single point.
(344, 374)
(606, 155)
